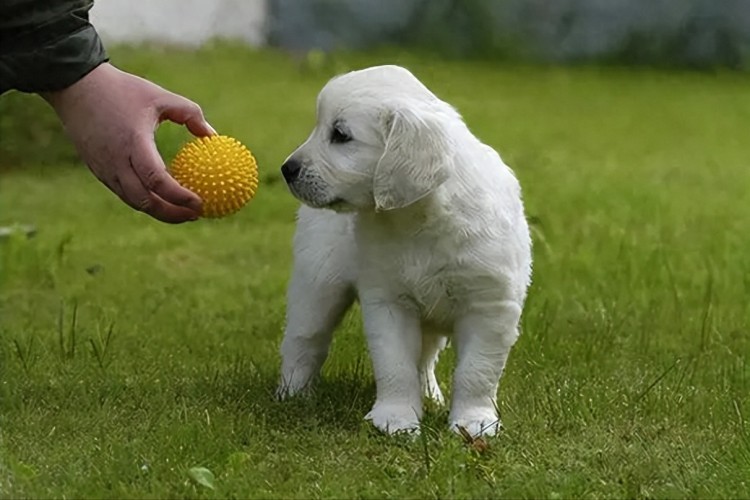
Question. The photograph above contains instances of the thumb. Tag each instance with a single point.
(183, 111)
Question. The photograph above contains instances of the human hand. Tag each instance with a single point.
(111, 117)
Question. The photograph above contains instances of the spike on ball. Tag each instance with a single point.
(220, 170)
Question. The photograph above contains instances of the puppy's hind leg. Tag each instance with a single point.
(483, 342)
(432, 344)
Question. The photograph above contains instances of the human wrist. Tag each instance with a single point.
(67, 98)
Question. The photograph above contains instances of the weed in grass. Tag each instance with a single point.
(100, 346)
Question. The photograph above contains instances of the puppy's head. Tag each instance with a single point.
(382, 141)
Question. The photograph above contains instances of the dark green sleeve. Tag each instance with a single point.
(46, 45)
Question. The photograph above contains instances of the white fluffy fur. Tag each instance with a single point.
(424, 224)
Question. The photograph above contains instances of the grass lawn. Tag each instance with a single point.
(132, 352)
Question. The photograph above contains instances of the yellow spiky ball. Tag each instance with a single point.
(220, 170)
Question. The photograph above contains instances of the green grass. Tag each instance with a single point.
(132, 351)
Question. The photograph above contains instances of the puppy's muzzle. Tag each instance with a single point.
(291, 170)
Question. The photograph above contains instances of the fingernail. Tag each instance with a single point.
(195, 204)
(212, 129)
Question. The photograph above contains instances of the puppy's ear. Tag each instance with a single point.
(416, 159)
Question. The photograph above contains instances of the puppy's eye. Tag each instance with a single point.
(338, 135)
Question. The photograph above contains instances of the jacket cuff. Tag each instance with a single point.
(54, 66)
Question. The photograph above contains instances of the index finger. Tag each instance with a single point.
(182, 111)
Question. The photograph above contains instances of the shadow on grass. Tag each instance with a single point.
(238, 391)
(339, 400)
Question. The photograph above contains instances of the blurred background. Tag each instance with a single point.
(691, 34)
(699, 33)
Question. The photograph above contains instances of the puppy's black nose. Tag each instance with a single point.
(290, 170)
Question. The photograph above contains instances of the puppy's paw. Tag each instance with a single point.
(395, 418)
(477, 422)
(430, 388)
(286, 390)
(434, 394)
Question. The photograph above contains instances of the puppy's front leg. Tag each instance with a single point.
(395, 343)
(314, 309)
(483, 341)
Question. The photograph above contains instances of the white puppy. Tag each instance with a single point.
(406, 210)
